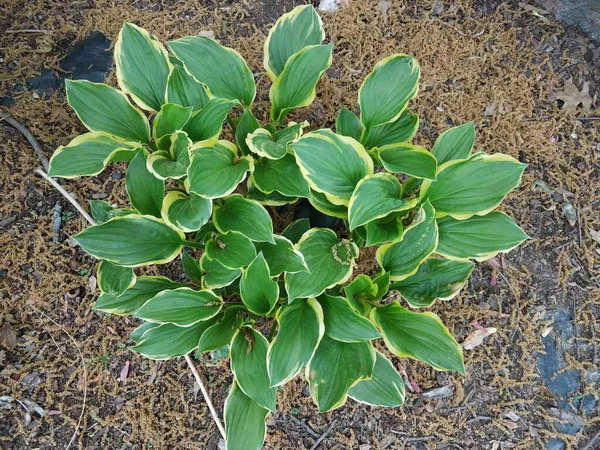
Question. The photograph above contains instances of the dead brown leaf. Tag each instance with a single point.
(572, 97)
(56, 111)
(8, 336)
(476, 338)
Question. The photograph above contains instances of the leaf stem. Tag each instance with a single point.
(272, 331)
(410, 185)
(231, 124)
(192, 244)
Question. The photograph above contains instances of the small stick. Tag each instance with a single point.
(68, 196)
(25, 132)
(57, 221)
(28, 30)
(304, 425)
(206, 396)
(324, 435)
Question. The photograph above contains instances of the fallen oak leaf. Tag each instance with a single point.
(572, 97)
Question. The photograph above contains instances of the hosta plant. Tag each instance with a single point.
(283, 304)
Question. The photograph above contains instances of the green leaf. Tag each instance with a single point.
(296, 229)
(100, 210)
(387, 89)
(233, 250)
(221, 333)
(274, 146)
(381, 231)
(249, 366)
(136, 51)
(258, 290)
(113, 279)
(134, 298)
(332, 164)
(402, 129)
(386, 388)
(182, 307)
(473, 186)
(89, 154)
(275, 198)
(358, 291)
(207, 123)
(132, 241)
(174, 162)
(281, 175)
(454, 143)
(263, 144)
(403, 258)
(281, 256)
(168, 340)
(342, 323)
(184, 90)
(191, 268)
(409, 159)
(295, 87)
(215, 274)
(138, 334)
(478, 237)
(170, 118)
(321, 203)
(300, 331)
(222, 69)
(186, 213)
(103, 211)
(245, 126)
(348, 124)
(330, 261)
(421, 336)
(144, 189)
(245, 426)
(335, 367)
(215, 169)
(292, 32)
(436, 278)
(247, 217)
(102, 108)
(376, 196)
(362, 290)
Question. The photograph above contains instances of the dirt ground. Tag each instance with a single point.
(513, 70)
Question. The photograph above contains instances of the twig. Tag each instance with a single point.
(418, 439)
(588, 118)
(304, 425)
(68, 196)
(477, 419)
(594, 438)
(84, 372)
(324, 435)
(25, 132)
(28, 30)
(206, 396)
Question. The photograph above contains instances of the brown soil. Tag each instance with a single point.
(492, 64)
